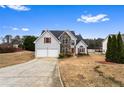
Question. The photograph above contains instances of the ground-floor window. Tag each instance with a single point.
(81, 49)
(64, 50)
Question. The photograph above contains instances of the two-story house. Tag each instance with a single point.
(53, 42)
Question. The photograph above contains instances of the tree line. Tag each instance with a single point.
(94, 43)
(115, 49)
(24, 42)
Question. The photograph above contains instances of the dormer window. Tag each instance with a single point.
(47, 40)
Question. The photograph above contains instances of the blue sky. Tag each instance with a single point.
(89, 21)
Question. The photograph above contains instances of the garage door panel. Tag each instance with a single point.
(52, 53)
(41, 53)
(47, 53)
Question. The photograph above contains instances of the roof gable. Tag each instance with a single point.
(82, 42)
(57, 33)
(43, 34)
(70, 33)
(80, 39)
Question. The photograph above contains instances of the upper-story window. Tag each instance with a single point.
(47, 40)
(72, 42)
(65, 40)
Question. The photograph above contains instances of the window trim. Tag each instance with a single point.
(47, 40)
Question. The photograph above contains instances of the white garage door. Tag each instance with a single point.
(52, 53)
(47, 53)
(41, 53)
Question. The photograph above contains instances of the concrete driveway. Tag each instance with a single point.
(35, 73)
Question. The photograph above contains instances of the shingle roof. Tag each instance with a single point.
(79, 38)
(73, 33)
(57, 33)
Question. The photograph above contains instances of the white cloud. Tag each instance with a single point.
(93, 19)
(16, 7)
(25, 29)
(15, 28)
(2, 6)
(105, 19)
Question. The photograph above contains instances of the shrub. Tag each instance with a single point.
(61, 55)
(21, 46)
(82, 54)
(68, 55)
(7, 49)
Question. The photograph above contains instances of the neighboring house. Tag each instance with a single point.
(104, 43)
(53, 42)
(1, 40)
(16, 43)
(8, 41)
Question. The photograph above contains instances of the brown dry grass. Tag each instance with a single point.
(114, 72)
(8, 59)
(86, 71)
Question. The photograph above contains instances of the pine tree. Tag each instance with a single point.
(114, 49)
(109, 51)
(120, 49)
(122, 58)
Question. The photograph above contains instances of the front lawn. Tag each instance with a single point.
(90, 71)
(8, 59)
